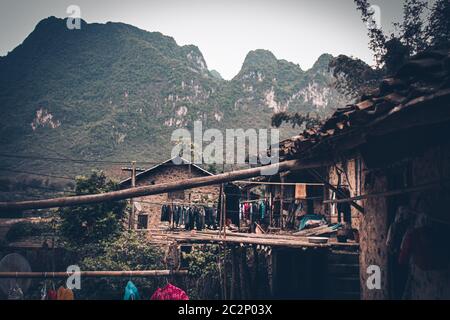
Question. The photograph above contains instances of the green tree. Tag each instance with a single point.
(422, 27)
(129, 251)
(204, 268)
(91, 224)
(438, 28)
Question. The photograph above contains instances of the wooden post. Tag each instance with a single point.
(132, 171)
(273, 273)
(219, 264)
(281, 201)
(171, 215)
(220, 210)
(224, 216)
(133, 185)
(233, 289)
(255, 280)
(244, 274)
(225, 291)
(271, 207)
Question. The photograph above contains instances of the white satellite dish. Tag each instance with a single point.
(14, 262)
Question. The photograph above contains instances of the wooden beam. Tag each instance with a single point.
(158, 188)
(94, 274)
(336, 190)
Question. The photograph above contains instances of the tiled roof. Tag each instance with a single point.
(424, 78)
(169, 162)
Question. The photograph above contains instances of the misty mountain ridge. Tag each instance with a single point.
(113, 91)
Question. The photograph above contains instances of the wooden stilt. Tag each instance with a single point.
(255, 280)
(233, 287)
(242, 276)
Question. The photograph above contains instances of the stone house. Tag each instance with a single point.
(148, 208)
(389, 153)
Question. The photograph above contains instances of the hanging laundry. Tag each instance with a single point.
(166, 212)
(169, 292)
(131, 292)
(44, 291)
(15, 293)
(64, 294)
(181, 216)
(51, 293)
(311, 221)
(254, 212)
(262, 209)
(247, 210)
(300, 191)
(210, 218)
(403, 219)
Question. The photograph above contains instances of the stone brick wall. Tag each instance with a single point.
(373, 231)
(433, 165)
(173, 173)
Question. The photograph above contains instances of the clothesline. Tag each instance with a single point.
(178, 203)
(94, 274)
(281, 183)
(255, 200)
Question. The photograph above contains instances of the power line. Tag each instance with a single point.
(41, 188)
(30, 157)
(37, 174)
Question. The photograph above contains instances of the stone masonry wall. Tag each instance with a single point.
(165, 174)
(433, 165)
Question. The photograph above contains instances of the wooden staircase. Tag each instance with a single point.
(343, 275)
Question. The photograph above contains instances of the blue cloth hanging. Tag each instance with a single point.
(310, 217)
(131, 292)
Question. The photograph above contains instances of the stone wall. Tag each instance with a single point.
(373, 231)
(173, 173)
(433, 165)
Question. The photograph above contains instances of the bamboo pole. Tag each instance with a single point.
(220, 210)
(133, 185)
(158, 188)
(255, 286)
(94, 274)
(224, 216)
(233, 287)
(225, 280)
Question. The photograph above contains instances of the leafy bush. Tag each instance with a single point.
(26, 229)
(129, 251)
(204, 270)
(90, 224)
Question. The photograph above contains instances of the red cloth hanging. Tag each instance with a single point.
(52, 295)
(169, 292)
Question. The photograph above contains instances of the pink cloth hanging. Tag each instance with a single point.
(169, 292)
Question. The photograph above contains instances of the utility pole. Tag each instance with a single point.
(133, 185)
(133, 170)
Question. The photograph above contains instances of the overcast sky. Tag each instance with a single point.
(224, 30)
